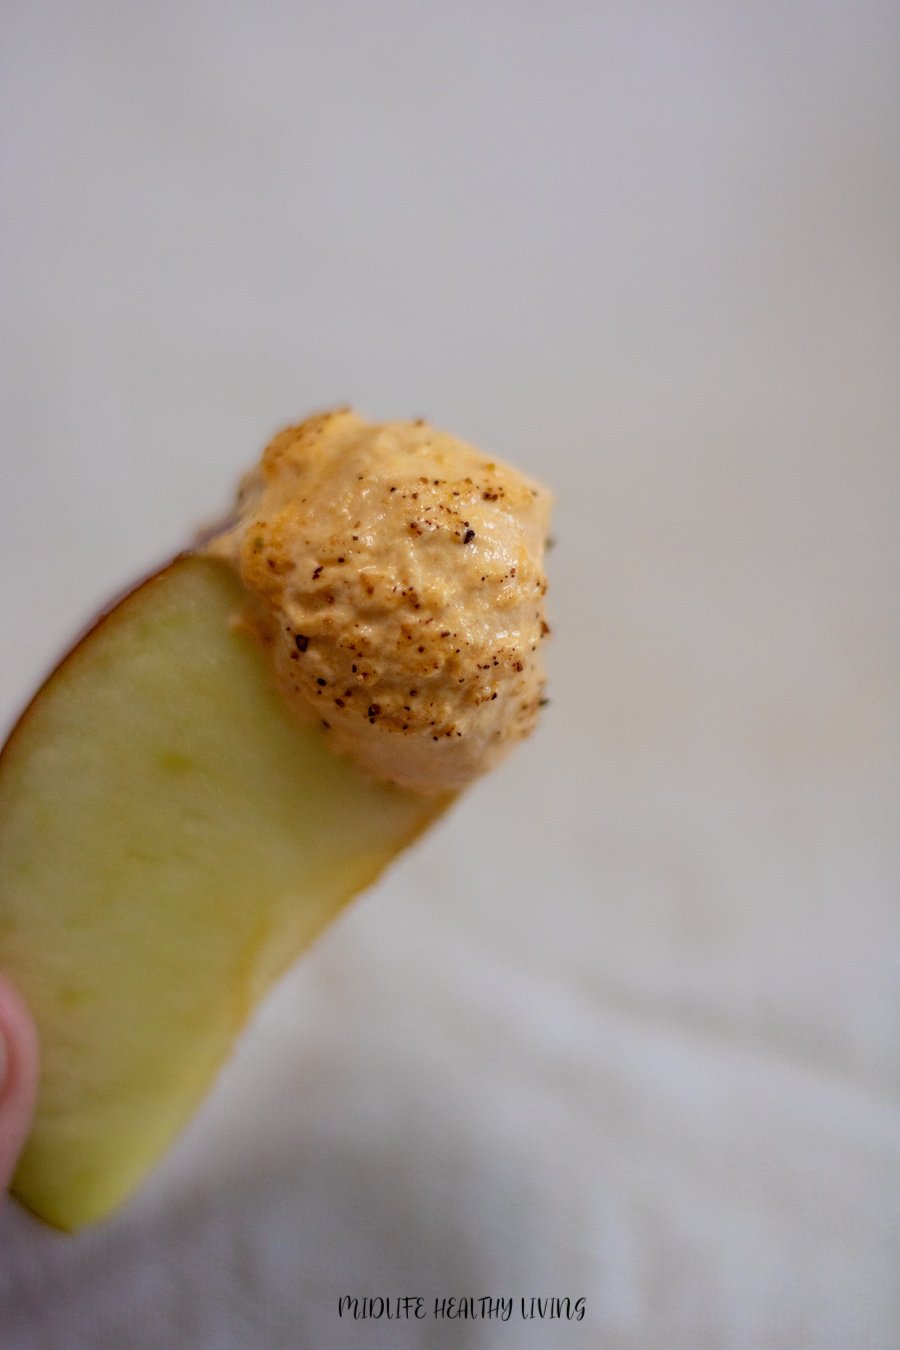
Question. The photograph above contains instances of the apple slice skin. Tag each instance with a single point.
(170, 841)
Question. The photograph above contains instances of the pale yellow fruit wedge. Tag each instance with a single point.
(170, 841)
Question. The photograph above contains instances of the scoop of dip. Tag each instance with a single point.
(396, 576)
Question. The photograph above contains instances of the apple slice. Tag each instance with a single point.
(170, 841)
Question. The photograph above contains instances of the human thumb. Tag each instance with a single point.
(18, 1078)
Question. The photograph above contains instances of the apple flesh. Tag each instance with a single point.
(170, 841)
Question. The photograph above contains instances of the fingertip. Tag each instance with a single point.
(19, 1067)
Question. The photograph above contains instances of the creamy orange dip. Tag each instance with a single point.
(396, 576)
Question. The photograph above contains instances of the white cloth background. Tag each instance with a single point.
(627, 1025)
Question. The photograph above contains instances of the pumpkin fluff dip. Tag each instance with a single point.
(395, 575)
